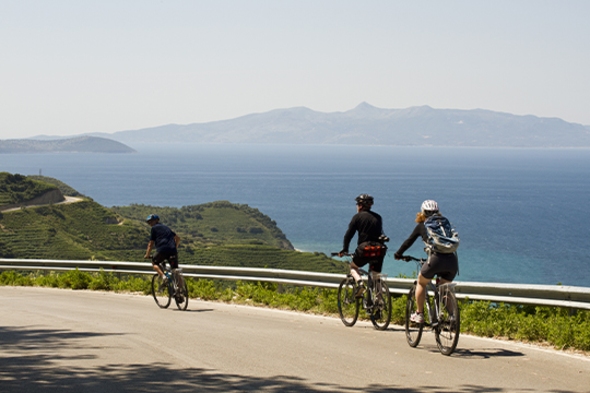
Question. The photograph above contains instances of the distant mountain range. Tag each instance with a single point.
(368, 125)
(80, 144)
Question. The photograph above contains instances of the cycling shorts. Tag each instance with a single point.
(375, 265)
(171, 257)
(444, 265)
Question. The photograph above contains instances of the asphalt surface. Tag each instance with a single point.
(68, 199)
(55, 340)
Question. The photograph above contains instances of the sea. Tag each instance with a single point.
(522, 214)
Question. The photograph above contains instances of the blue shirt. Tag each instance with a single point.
(163, 238)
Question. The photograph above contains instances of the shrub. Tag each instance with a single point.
(10, 277)
(50, 279)
(74, 279)
(204, 289)
(103, 281)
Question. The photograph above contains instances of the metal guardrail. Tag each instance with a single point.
(545, 295)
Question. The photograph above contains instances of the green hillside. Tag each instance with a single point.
(217, 233)
(215, 223)
(18, 188)
(63, 187)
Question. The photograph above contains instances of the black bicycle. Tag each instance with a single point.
(173, 285)
(376, 300)
(442, 315)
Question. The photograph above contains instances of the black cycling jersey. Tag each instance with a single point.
(369, 226)
(419, 231)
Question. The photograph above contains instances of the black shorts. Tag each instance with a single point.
(444, 265)
(375, 265)
(372, 253)
(171, 257)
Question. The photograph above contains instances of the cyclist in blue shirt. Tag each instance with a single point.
(166, 243)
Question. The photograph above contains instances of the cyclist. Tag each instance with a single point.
(443, 265)
(166, 243)
(369, 226)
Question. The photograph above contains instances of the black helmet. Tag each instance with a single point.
(364, 199)
(152, 217)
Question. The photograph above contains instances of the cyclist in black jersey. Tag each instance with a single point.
(166, 243)
(369, 226)
(445, 266)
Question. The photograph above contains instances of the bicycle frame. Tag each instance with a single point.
(176, 287)
(445, 322)
(376, 300)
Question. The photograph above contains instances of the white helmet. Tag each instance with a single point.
(429, 207)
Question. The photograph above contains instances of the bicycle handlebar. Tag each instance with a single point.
(408, 258)
(337, 254)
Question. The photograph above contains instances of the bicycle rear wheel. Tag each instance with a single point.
(381, 312)
(348, 304)
(447, 331)
(413, 330)
(160, 291)
(181, 296)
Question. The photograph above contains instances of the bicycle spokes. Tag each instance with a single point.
(448, 328)
(160, 291)
(413, 330)
(381, 307)
(348, 303)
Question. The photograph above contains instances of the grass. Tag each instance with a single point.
(559, 327)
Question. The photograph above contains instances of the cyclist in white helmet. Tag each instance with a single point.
(445, 266)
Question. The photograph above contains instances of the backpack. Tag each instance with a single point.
(442, 237)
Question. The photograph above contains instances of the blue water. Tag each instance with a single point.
(522, 214)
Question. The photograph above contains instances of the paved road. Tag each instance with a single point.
(55, 340)
(68, 199)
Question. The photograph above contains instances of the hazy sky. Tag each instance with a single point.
(70, 67)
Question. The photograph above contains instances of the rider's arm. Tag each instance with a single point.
(419, 231)
(176, 240)
(349, 235)
(149, 249)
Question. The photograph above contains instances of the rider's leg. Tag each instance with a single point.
(156, 260)
(375, 270)
(157, 268)
(421, 292)
(354, 272)
(448, 301)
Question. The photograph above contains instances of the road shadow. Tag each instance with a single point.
(30, 338)
(486, 353)
(21, 370)
(480, 353)
(189, 310)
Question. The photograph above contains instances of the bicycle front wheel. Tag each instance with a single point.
(181, 296)
(348, 304)
(381, 312)
(413, 330)
(447, 331)
(160, 291)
